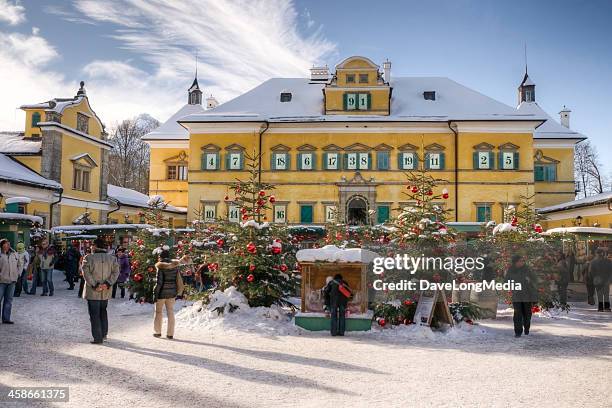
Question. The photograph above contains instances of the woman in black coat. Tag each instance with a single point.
(169, 285)
(337, 303)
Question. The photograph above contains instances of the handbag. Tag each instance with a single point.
(344, 290)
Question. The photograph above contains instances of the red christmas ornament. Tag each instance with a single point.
(514, 222)
(445, 196)
(251, 248)
(226, 198)
(251, 268)
(245, 217)
(138, 277)
(283, 268)
(407, 302)
(430, 193)
(250, 277)
(382, 322)
(220, 242)
(535, 309)
(243, 210)
(131, 254)
(260, 202)
(415, 189)
(150, 269)
(262, 193)
(272, 199)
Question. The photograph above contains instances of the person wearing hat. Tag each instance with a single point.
(22, 280)
(100, 271)
(10, 268)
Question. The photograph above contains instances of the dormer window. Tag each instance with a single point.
(363, 78)
(429, 95)
(350, 78)
(285, 96)
(82, 122)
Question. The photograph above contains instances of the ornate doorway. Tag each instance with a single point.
(357, 211)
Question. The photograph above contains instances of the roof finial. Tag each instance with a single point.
(525, 57)
(196, 64)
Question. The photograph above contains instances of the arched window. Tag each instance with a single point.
(35, 119)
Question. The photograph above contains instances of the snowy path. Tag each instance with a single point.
(566, 362)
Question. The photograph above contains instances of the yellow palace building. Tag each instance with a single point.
(337, 144)
(57, 168)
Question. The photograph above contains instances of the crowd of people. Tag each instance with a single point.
(104, 272)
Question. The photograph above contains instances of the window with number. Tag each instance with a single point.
(357, 101)
(407, 160)
(331, 213)
(332, 161)
(234, 161)
(233, 213)
(210, 212)
(435, 161)
(210, 161)
(509, 160)
(306, 161)
(483, 160)
(280, 161)
(357, 161)
(280, 214)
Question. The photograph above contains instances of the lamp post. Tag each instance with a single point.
(579, 220)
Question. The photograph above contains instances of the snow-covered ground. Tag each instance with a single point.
(565, 362)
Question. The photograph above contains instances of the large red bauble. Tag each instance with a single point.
(220, 242)
(262, 193)
(283, 268)
(250, 277)
(415, 189)
(445, 196)
(251, 268)
(382, 322)
(272, 199)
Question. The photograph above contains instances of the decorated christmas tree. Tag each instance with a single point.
(424, 221)
(145, 248)
(257, 258)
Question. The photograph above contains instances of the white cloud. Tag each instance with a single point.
(12, 12)
(239, 44)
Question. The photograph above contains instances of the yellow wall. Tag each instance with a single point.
(29, 130)
(562, 190)
(497, 187)
(173, 191)
(69, 118)
(72, 147)
(70, 213)
(32, 162)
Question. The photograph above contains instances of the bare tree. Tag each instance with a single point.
(129, 158)
(587, 168)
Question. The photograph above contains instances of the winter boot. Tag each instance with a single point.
(600, 307)
(607, 307)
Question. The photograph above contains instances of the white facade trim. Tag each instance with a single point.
(76, 134)
(93, 205)
(9, 190)
(555, 143)
(225, 127)
(168, 144)
(497, 127)
(572, 214)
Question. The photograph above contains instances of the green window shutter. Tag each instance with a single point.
(273, 161)
(299, 162)
(306, 214)
(382, 160)
(382, 214)
(313, 158)
(500, 160)
(325, 161)
(345, 161)
(400, 162)
(442, 164)
(516, 160)
(218, 162)
(491, 160)
(35, 119)
(369, 161)
(483, 213)
(241, 164)
(227, 161)
(427, 161)
(551, 173)
(288, 156)
(203, 162)
(538, 173)
(475, 160)
(369, 101)
(344, 102)
(415, 160)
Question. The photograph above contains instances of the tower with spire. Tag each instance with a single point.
(526, 89)
(195, 94)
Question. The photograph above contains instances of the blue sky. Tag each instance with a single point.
(138, 56)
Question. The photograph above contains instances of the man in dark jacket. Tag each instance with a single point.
(73, 257)
(100, 271)
(523, 299)
(337, 304)
(600, 270)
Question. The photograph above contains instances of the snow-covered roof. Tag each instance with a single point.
(170, 129)
(331, 253)
(453, 102)
(79, 229)
(551, 129)
(34, 219)
(596, 199)
(14, 143)
(13, 171)
(580, 230)
(135, 198)
(56, 105)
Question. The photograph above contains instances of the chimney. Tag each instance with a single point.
(319, 74)
(387, 71)
(211, 102)
(564, 115)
